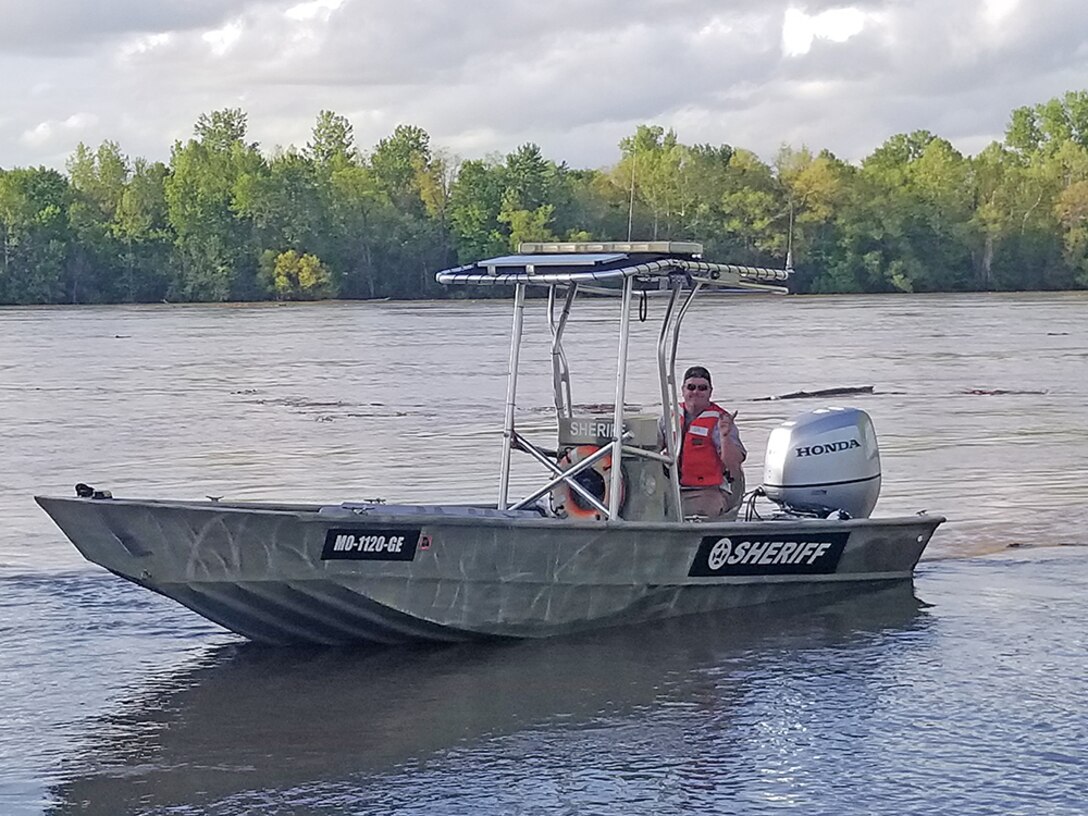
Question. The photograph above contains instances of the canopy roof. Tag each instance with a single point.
(549, 264)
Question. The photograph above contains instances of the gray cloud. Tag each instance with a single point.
(52, 27)
(485, 76)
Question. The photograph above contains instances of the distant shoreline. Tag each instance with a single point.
(272, 304)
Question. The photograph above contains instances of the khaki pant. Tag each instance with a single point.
(713, 502)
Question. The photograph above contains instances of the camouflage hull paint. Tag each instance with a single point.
(264, 571)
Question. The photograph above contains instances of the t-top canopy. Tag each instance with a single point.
(550, 264)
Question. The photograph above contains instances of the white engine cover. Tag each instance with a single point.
(826, 459)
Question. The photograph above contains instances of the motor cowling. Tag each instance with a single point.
(824, 460)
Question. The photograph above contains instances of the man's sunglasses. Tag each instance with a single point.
(697, 387)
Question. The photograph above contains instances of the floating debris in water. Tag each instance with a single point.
(823, 392)
(998, 392)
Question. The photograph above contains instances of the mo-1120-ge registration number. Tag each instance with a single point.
(370, 545)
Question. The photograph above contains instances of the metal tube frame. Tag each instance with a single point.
(668, 397)
(667, 345)
(568, 477)
(671, 393)
(621, 393)
(645, 454)
(560, 367)
(511, 395)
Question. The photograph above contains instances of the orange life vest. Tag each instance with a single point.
(700, 462)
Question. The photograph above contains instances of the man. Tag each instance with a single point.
(711, 453)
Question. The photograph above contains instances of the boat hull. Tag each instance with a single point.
(293, 573)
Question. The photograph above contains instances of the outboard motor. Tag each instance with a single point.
(824, 461)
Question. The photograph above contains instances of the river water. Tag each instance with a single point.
(962, 694)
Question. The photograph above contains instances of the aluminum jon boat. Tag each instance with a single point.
(594, 545)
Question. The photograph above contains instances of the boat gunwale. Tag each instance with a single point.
(309, 514)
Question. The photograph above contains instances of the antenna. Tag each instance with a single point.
(789, 241)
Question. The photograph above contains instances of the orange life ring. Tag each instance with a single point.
(597, 479)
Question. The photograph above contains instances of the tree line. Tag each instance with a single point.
(224, 221)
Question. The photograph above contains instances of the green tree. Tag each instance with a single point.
(360, 210)
(1071, 209)
(527, 178)
(590, 207)
(293, 276)
(215, 250)
(333, 140)
(918, 233)
(651, 170)
(816, 191)
(527, 225)
(415, 239)
(755, 225)
(1046, 126)
(476, 200)
(222, 130)
(286, 202)
(398, 161)
(35, 235)
(223, 221)
(528, 182)
(992, 174)
(142, 226)
(98, 180)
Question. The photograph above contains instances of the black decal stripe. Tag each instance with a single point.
(824, 484)
(820, 554)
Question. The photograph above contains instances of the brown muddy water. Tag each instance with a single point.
(961, 694)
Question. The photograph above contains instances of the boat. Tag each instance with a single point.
(593, 545)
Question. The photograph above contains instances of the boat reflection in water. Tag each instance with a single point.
(296, 724)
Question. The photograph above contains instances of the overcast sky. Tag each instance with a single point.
(574, 76)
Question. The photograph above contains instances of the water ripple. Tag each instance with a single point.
(964, 697)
